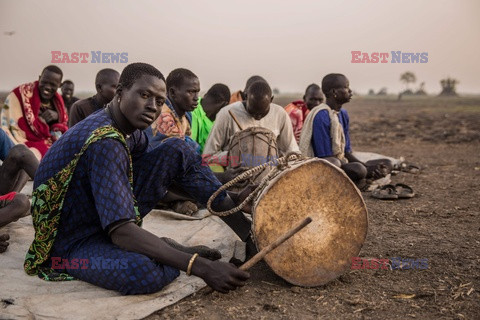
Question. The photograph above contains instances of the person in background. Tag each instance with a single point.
(68, 89)
(298, 110)
(34, 113)
(204, 115)
(105, 83)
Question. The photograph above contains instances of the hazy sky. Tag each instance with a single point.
(290, 43)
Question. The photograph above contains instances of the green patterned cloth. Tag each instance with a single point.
(47, 203)
(201, 125)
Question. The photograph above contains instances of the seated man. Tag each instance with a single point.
(175, 118)
(298, 110)
(204, 115)
(106, 180)
(34, 113)
(105, 83)
(67, 89)
(18, 164)
(242, 95)
(325, 133)
(256, 111)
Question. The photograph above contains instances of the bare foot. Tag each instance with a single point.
(185, 207)
(4, 242)
(203, 251)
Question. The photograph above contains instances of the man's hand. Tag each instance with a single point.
(376, 171)
(221, 276)
(242, 195)
(230, 174)
(49, 116)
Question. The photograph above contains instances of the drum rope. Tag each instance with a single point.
(281, 164)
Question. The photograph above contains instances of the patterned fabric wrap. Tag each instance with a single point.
(21, 121)
(47, 203)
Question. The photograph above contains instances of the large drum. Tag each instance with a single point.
(321, 251)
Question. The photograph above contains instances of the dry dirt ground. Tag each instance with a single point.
(441, 224)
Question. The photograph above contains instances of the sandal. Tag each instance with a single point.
(386, 192)
(409, 168)
(403, 191)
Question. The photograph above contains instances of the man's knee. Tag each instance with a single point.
(355, 171)
(146, 279)
(14, 210)
(18, 153)
(335, 161)
(21, 201)
(173, 143)
(173, 147)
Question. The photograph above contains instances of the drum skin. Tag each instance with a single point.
(321, 251)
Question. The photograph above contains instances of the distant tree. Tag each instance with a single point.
(276, 91)
(371, 92)
(382, 92)
(449, 87)
(408, 77)
(421, 90)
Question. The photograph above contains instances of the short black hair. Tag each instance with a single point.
(251, 80)
(134, 71)
(67, 82)
(103, 74)
(330, 81)
(54, 69)
(312, 86)
(219, 92)
(259, 89)
(177, 76)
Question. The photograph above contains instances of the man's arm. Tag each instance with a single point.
(286, 139)
(10, 113)
(351, 158)
(229, 174)
(218, 138)
(321, 137)
(76, 113)
(219, 275)
(5, 144)
(49, 116)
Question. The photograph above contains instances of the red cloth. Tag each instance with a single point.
(8, 196)
(297, 110)
(236, 96)
(37, 132)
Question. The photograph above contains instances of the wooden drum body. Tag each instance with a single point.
(322, 251)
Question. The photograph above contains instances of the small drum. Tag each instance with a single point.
(295, 189)
(321, 251)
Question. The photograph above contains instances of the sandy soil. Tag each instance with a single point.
(441, 224)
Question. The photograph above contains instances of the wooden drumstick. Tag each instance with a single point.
(260, 255)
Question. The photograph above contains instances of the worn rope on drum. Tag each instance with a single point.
(280, 164)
